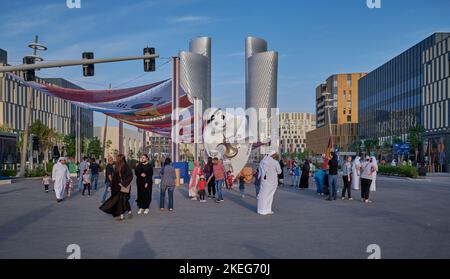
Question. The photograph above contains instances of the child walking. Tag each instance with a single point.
(201, 188)
(86, 182)
(230, 179)
(241, 184)
(46, 181)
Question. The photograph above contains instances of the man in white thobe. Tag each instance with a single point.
(269, 171)
(60, 177)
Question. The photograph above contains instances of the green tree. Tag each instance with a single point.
(95, 148)
(70, 144)
(397, 140)
(108, 144)
(47, 138)
(415, 139)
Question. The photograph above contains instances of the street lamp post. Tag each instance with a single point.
(328, 107)
(29, 94)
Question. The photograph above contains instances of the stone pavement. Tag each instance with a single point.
(408, 219)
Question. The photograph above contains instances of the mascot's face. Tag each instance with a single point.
(216, 137)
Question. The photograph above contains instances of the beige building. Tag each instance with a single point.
(293, 128)
(133, 142)
(337, 112)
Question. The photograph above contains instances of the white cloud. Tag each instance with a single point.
(189, 19)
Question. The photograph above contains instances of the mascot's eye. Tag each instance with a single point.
(223, 117)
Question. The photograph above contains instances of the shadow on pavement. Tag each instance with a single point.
(238, 200)
(258, 252)
(184, 191)
(138, 248)
(12, 191)
(17, 224)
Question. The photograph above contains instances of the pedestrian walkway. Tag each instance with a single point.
(33, 225)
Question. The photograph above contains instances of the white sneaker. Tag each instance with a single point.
(146, 211)
(140, 211)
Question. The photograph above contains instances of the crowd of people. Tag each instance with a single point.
(208, 180)
(357, 175)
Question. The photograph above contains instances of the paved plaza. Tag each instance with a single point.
(408, 219)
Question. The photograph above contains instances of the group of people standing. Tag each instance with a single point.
(118, 180)
(364, 176)
(356, 174)
(211, 176)
(300, 174)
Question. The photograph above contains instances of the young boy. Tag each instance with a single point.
(46, 181)
(86, 182)
(201, 189)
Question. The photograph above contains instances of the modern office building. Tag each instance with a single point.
(86, 116)
(261, 81)
(195, 71)
(261, 75)
(435, 100)
(51, 111)
(408, 91)
(336, 112)
(320, 104)
(293, 129)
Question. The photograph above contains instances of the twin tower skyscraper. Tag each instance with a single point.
(261, 73)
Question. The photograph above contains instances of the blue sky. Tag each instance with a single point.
(314, 38)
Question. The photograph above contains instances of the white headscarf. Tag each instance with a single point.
(356, 162)
(374, 161)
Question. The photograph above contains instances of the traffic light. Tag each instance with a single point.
(29, 74)
(35, 143)
(149, 63)
(88, 69)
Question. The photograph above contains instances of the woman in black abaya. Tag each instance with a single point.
(119, 202)
(144, 174)
(304, 178)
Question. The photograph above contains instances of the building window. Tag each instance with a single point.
(349, 118)
(344, 110)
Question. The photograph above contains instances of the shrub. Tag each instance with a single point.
(37, 172)
(8, 173)
(406, 171)
(50, 166)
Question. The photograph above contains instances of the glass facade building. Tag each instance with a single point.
(390, 96)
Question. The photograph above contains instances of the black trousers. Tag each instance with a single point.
(46, 187)
(212, 187)
(88, 187)
(347, 186)
(365, 188)
(201, 194)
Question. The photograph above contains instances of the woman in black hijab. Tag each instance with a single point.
(304, 178)
(144, 174)
(119, 202)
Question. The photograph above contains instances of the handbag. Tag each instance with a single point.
(125, 190)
